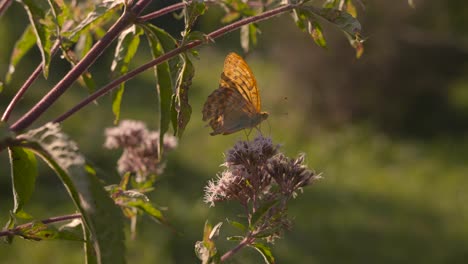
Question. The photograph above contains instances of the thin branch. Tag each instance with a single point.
(215, 34)
(95, 52)
(163, 11)
(245, 242)
(26, 85)
(14, 231)
(4, 6)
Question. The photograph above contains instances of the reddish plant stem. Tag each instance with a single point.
(26, 86)
(163, 11)
(14, 231)
(245, 242)
(215, 34)
(4, 6)
(35, 112)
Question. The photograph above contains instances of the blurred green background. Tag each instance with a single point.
(388, 132)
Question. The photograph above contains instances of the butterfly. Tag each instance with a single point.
(235, 105)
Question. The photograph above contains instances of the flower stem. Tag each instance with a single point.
(245, 242)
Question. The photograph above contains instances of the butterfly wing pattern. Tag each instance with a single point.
(235, 105)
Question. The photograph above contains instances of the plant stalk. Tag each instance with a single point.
(215, 34)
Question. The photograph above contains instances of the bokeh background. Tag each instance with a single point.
(388, 132)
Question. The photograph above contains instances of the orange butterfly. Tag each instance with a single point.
(235, 105)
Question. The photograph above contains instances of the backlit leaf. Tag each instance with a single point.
(42, 28)
(22, 46)
(102, 219)
(23, 175)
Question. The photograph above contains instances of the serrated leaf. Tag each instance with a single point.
(316, 32)
(102, 220)
(42, 29)
(23, 176)
(261, 212)
(180, 98)
(265, 251)
(341, 19)
(22, 46)
(127, 46)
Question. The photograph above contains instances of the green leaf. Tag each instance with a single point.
(350, 8)
(60, 13)
(341, 19)
(238, 225)
(103, 12)
(127, 46)
(301, 18)
(206, 250)
(315, 31)
(180, 99)
(23, 176)
(141, 202)
(22, 46)
(82, 47)
(258, 215)
(116, 103)
(191, 12)
(357, 43)
(265, 251)
(42, 29)
(235, 238)
(161, 42)
(103, 221)
(330, 3)
(38, 231)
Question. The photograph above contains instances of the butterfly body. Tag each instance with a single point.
(235, 105)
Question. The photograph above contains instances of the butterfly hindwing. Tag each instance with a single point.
(235, 105)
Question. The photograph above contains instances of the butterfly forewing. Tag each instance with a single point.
(238, 75)
(235, 105)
